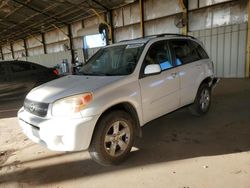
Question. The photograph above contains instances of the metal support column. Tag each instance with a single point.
(71, 45)
(44, 43)
(184, 5)
(12, 51)
(248, 42)
(141, 2)
(111, 26)
(25, 48)
(110, 19)
(1, 51)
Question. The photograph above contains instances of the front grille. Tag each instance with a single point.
(36, 108)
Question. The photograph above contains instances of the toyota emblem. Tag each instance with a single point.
(32, 107)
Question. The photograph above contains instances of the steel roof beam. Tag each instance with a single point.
(25, 20)
(43, 21)
(101, 5)
(41, 12)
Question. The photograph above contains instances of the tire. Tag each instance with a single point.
(113, 138)
(202, 101)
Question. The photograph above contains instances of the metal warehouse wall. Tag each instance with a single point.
(159, 18)
(49, 60)
(220, 24)
(227, 48)
(223, 30)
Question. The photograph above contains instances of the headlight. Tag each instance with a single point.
(71, 105)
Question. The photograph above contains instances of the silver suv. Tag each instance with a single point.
(121, 88)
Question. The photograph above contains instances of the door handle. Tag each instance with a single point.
(174, 75)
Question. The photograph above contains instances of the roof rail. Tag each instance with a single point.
(161, 35)
(138, 38)
(173, 34)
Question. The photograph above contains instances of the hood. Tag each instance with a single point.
(69, 85)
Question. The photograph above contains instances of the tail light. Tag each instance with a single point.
(55, 71)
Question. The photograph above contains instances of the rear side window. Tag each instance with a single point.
(202, 53)
(184, 52)
(19, 67)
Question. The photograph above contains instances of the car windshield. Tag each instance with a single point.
(113, 61)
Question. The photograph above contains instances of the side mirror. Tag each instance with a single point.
(152, 69)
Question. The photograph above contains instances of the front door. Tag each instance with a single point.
(159, 93)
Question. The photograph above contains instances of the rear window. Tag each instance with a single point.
(184, 52)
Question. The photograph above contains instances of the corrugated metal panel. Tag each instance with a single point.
(132, 14)
(126, 15)
(93, 21)
(57, 47)
(18, 45)
(7, 56)
(160, 8)
(50, 60)
(36, 51)
(221, 15)
(163, 25)
(204, 3)
(75, 27)
(19, 54)
(227, 48)
(77, 43)
(192, 4)
(33, 42)
(56, 35)
(6, 49)
(128, 32)
(80, 55)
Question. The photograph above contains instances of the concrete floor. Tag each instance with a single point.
(177, 150)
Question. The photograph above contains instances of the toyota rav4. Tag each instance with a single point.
(121, 88)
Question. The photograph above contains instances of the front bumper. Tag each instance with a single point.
(58, 134)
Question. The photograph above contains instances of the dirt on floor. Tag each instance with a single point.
(176, 151)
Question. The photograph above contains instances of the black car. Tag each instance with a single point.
(17, 78)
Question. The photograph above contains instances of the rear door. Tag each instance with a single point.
(190, 68)
(159, 93)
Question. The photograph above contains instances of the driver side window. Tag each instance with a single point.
(158, 53)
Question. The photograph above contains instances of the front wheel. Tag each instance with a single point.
(202, 101)
(113, 138)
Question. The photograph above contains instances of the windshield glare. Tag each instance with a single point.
(111, 61)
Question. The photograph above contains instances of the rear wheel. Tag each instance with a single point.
(202, 101)
(113, 138)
